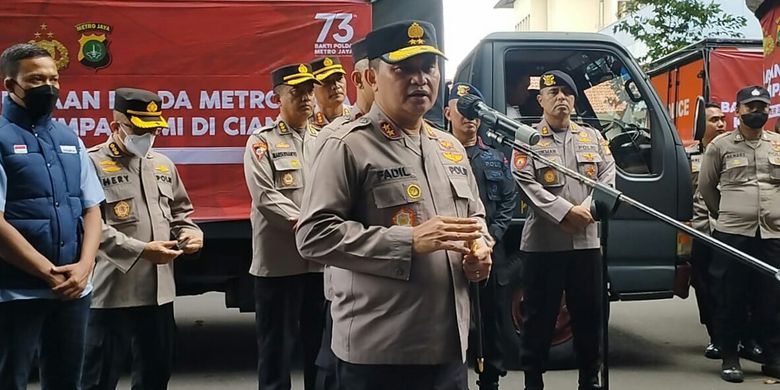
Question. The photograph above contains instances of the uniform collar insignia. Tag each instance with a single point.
(283, 128)
(389, 130)
(114, 150)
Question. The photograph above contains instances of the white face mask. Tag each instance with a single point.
(138, 145)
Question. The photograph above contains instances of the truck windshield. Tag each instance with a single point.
(609, 99)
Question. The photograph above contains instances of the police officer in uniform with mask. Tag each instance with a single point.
(289, 302)
(498, 193)
(147, 225)
(740, 184)
(560, 235)
(395, 212)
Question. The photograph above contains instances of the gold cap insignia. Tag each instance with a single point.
(151, 107)
(414, 191)
(122, 210)
(548, 79)
(302, 68)
(463, 90)
(327, 61)
(416, 33)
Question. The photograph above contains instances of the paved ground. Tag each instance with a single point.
(655, 345)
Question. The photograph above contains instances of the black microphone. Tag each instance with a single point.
(473, 107)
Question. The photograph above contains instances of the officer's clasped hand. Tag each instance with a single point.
(445, 233)
(161, 252)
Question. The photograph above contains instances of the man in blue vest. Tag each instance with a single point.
(49, 228)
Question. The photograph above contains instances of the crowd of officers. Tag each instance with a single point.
(370, 229)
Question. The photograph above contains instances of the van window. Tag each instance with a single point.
(609, 100)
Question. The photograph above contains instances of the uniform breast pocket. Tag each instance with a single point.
(166, 199)
(774, 166)
(735, 170)
(587, 164)
(549, 176)
(494, 177)
(462, 195)
(288, 175)
(397, 203)
(120, 207)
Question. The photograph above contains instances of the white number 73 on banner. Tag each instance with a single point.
(344, 26)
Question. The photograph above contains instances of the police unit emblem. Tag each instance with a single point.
(550, 176)
(58, 51)
(416, 33)
(93, 49)
(520, 160)
(122, 209)
(452, 156)
(259, 149)
(414, 191)
(405, 217)
(327, 62)
(549, 80)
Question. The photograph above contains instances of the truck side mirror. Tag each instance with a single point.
(699, 119)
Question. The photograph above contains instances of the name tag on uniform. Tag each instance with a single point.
(20, 149)
(70, 149)
(735, 162)
(695, 163)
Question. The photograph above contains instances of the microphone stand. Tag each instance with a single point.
(606, 200)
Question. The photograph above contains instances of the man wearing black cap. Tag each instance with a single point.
(289, 303)
(740, 182)
(326, 360)
(498, 193)
(147, 225)
(331, 92)
(49, 228)
(560, 234)
(394, 203)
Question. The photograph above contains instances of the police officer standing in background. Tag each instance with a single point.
(331, 92)
(49, 228)
(289, 303)
(740, 184)
(146, 226)
(560, 235)
(701, 255)
(393, 208)
(498, 193)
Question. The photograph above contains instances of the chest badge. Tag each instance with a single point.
(288, 179)
(122, 210)
(404, 217)
(414, 191)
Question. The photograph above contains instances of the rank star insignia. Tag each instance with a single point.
(259, 150)
(414, 191)
(288, 179)
(452, 156)
(430, 132)
(389, 130)
(545, 130)
(404, 217)
(58, 51)
(520, 161)
(283, 129)
(122, 210)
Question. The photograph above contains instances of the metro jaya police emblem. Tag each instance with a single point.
(93, 49)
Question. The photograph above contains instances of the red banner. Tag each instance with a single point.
(771, 68)
(210, 61)
(730, 70)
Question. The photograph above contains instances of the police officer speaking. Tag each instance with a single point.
(147, 225)
(740, 184)
(560, 234)
(49, 228)
(288, 289)
(498, 193)
(393, 207)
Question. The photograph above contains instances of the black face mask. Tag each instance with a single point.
(754, 120)
(40, 100)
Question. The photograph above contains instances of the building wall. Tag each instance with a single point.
(564, 15)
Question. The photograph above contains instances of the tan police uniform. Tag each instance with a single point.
(390, 306)
(132, 302)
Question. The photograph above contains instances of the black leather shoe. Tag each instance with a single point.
(752, 351)
(487, 385)
(712, 352)
(771, 370)
(732, 374)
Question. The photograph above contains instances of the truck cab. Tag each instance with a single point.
(617, 99)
